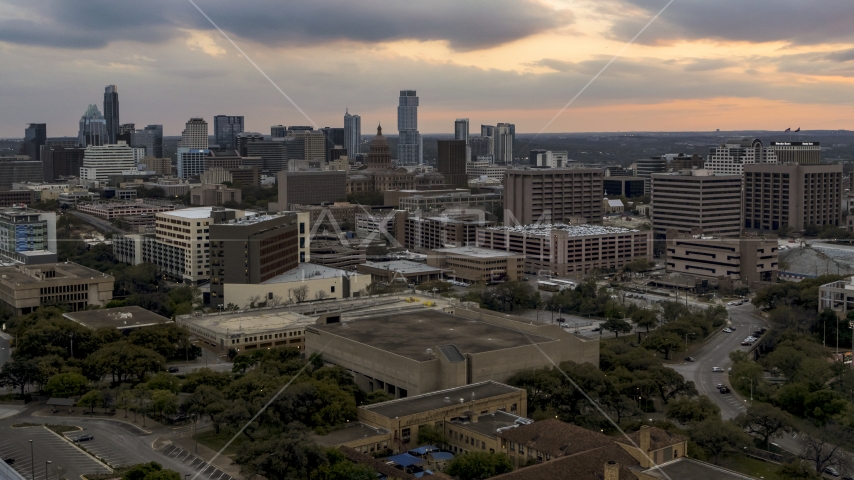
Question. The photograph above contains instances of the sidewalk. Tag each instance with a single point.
(184, 441)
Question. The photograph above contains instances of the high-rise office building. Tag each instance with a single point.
(101, 162)
(569, 195)
(93, 128)
(314, 144)
(540, 158)
(333, 137)
(461, 129)
(278, 131)
(61, 160)
(111, 112)
(696, 200)
(452, 162)
(126, 132)
(274, 155)
(352, 134)
(731, 157)
(409, 147)
(193, 148)
(150, 138)
(244, 139)
(19, 169)
(505, 135)
(226, 128)
(646, 167)
(793, 195)
(804, 153)
(35, 137)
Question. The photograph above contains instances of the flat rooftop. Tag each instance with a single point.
(308, 271)
(491, 423)
(120, 318)
(63, 271)
(479, 252)
(353, 431)
(427, 402)
(412, 334)
(403, 266)
(249, 321)
(688, 468)
(572, 230)
(194, 212)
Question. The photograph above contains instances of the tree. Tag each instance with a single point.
(138, 472)
(291, 454)
(320, 295)
(617, 325)
(429, 435)
(798, 469)
(766, 421)
(644, 318)
(477, 465)
(692, 410)
(91, 399)
(669, 384)
(63, 385)
(19, 373)
(123, 360)
(299, 293)
(341, 468)
(716, 437)
(819, 451)
(663, 342)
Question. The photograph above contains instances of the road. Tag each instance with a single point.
(99, 223)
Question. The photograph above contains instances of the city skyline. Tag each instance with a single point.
(695, 68)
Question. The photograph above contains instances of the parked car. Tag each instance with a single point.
(717, 369)
(724, 389)
(745, 344)
(720, 386)
(689, 359)
(172, 369)
(831, 471)
(732, 327)
(84, 438)
(596, 329)
(727, 330)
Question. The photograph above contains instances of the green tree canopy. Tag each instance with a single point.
(476, 465)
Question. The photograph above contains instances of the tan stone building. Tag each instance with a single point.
(214, 195)
(747, 261)
(478, 265)
(418, 232)
(25, 288)
(692, 199)
(533, 195)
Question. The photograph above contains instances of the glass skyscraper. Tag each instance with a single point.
(35, 137)
(352, 134)
(111, 113)
(93, 128)
(226, 128)
(409, 148)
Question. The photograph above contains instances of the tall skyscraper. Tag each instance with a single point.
(278, 131)
(505, 135)
(111, 112)
(226, 128)
(93, 128)
(334, 137)
(150, 138)
(461, 129)
(125, 132)
(193, 148)
(409, 148)
(352, 134)
(452, 162)
(35, 137)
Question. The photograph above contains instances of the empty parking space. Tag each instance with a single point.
(66, 460)
(208, 471)
(102, 448)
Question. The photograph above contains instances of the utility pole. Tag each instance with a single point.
(32, 461)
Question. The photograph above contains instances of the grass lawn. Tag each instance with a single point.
(216, 441)
(751, 466)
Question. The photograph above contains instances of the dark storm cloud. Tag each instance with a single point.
(465, 25)
(795, 21)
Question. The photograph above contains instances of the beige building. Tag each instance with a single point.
(803, 153)
(692, 199)
(110, 211)
(421, 350)
(24, 288)
(404, 271)
(793, 195)
(214, 195)
(249, 329)
(215, 176)
(748, 261)
(551, 195)
(478, 265)
(569, 250)
(160, 166)
(418, 232)
(307, 282)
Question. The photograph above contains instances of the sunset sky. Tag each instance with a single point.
(702, 65)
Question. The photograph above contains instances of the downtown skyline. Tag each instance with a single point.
(695, 67)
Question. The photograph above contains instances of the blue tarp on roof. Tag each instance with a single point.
(405, 460)
(421, 474)
(424, 449)
(441, 455)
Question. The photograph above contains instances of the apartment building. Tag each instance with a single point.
(549, 195)
(569, 250)
(792, 194)
(696, 199)
(746, 261)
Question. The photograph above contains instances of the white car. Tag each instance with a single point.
(727, 330)
(717, 369)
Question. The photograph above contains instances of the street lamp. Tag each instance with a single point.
(32, 462)
(46, 463)
(751, 386)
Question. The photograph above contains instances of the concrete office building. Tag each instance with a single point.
(150, 138)
(352, 133)
(160, 166)
(425, 202)
(215, 176)
(111, 112)
(125, 132)
(646, 167)
(792, 194)
(696, 199)
(332, 253)
(249, 330)
(252, 250)
(333, 143)
(731, 157)
(746, 261)
(193, 148)
(9, 198)
(274, 155)
(25, 288)
(310, 188)
(452, 162)
(505, 136)
(110, 211)
(443, 349)
(418, 232)
(404, 271)
(246, 175)
(314, 145)
(102, 162)
(226, 128)
(93, 128)
(802, 153)
(19, 169)
(35, 137)
(278, 131)
(569, 250)
(680, 161)
(629, 187)
(409, 147)
(214, 195)
(242, 141)
(478, 265)
(479, 168)
(533, 195)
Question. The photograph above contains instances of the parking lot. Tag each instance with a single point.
(105, 450)
(66, 460)
(208, 471)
